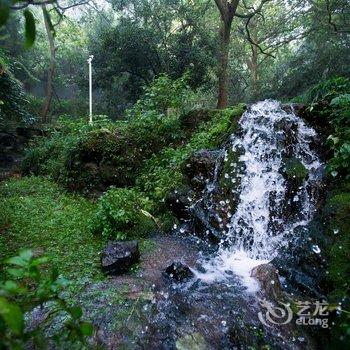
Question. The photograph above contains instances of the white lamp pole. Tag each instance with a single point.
(90, 88)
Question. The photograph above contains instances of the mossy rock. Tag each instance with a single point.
(337, 213)
(194, 341)
(294, 169)
(191, 120)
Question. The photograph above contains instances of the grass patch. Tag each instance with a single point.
(35, 213)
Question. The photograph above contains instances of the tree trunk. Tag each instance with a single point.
(223, 63)
(51, 70)
(254, 59)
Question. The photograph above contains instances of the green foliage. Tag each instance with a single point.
(330, 100)
(146, 43)
(337, 219)
(165, 96)
(35, 213)
(120, 211)
(27, 286)
(107, 153)
(29, 21)
(29, 27)
(329, 107)
(162, 172)
(13, 103)
(327, 90)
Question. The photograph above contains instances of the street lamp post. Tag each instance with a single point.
(90, 88)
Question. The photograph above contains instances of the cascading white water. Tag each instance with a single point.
(258, 228)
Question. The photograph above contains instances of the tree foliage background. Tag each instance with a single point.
(287, 46)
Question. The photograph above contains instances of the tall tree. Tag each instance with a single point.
(228, 10)
(52, 65)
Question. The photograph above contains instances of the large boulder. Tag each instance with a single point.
(119, 256)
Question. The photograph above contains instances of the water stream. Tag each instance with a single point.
(267, 213)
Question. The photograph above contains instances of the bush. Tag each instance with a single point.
(28, 287)
(327, 90)
(162, 172)
(330, 100)
(83, 156)
(165, 96)
(120, 211)
(330, 103)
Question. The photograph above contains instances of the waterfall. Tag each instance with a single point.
(268, 212)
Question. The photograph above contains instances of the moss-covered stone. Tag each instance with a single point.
(294, 169)
(194, 341)
(337, 211)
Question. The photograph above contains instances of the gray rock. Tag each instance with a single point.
(119, 256)
(179, 272)
(267, 276)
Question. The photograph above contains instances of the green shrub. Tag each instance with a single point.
(330, 101)
(330, 104)
(26, 286)
(120, 211)
(327, 90)
(339, 140)
(165, 96)
(162, 172)
(83, 156)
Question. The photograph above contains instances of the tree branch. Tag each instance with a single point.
(251, 14)
(254, 43)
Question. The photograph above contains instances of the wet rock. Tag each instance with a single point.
(200, 167)
(294, 170)
(119, 256)
(302, 266)
(179, 202)
(194, 341)
(267, 276)
(295, 173)
(298, 109)
(179, 272)
(205, 224)
(245, 336)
